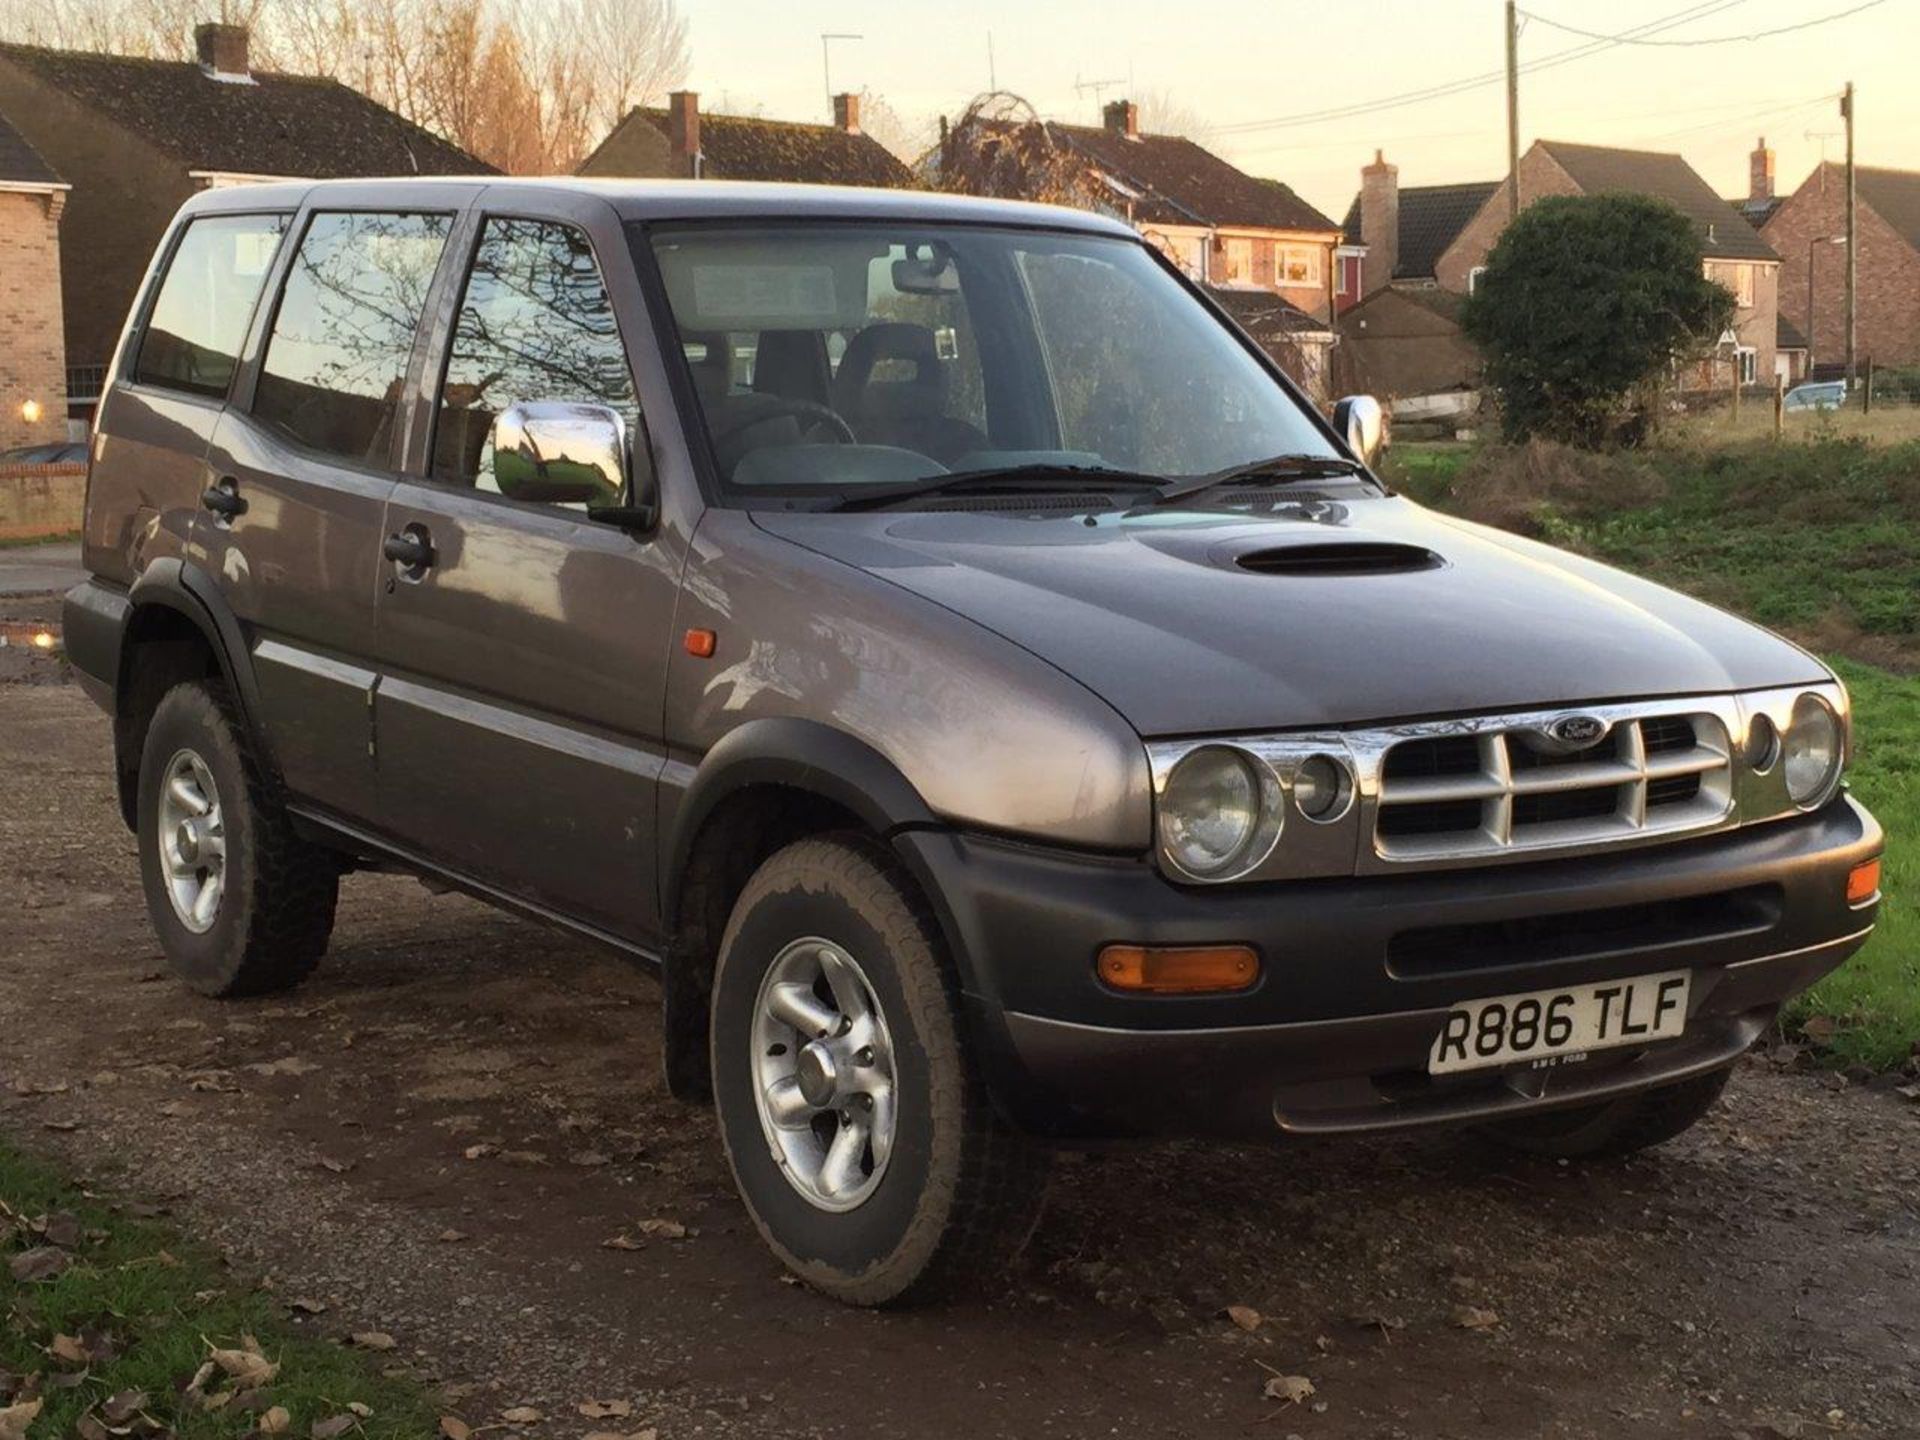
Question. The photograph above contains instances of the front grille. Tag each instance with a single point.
(1487, 788)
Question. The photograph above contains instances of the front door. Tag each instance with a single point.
(523, 646)
(307, 461)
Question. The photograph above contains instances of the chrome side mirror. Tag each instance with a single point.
(1362, 423)
(556, 453)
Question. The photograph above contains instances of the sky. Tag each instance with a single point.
(1280, 60)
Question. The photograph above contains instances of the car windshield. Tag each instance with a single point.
(845, 360)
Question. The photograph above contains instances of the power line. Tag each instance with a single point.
(1630, 39)
(1474, 82)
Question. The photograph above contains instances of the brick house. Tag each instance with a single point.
(1400, 331)
(33, 381)
(136, 137)
(1735, 254)
(679, 142)
(1802, 227)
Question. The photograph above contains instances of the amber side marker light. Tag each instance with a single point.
(1178, 970)
(1863, 882)
(701, 644)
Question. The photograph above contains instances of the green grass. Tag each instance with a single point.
(163, 1301)
(65, 537)
(1874, 999)
(1820, 539)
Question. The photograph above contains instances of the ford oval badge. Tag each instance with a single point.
(1577, 730)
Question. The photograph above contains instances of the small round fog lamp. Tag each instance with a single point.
(1321, 787)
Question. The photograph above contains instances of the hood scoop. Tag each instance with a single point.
(1340, 557)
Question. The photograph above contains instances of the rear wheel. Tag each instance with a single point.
(862, 1142)
(1615, 1127)
(241, 904)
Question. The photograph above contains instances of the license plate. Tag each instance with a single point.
(1545, 1025)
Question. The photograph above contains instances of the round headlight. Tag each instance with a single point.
(1321, 788)
(1215, 815)
(1810, 752)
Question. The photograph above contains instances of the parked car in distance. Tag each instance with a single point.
(1817, 395)
(65, 452)
(932, 636)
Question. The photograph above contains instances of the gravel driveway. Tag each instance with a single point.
(457, 1133)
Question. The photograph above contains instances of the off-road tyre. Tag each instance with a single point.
(961, 1193)
(1616, 1127)
(277, 904)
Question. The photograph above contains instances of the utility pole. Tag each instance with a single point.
(1853, 241)
(1513, 110)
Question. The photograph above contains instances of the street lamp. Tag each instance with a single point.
(1812, 334)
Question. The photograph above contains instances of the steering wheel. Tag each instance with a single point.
(785, 407)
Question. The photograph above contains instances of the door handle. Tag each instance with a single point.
(409, 549)
(223, 498)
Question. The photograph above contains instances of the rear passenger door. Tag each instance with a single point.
(520, 703)
(306, 457)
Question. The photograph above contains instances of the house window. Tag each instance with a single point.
(1298, 266)
(1747, 360)
(1239, 258)
(1473, 278)
(1737, 280)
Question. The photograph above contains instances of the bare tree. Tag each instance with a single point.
(1164, 113)
(635, 51)
(908, 139)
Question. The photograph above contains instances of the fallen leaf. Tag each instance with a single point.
(68, 1350)
(44, 1262)
(338, 1167)
(308, 1307)
(522, 1415)
(454, 1428)
(276, 1421)
(1907, 1092)
(1245, 1316)
(523, 1157)
(120, 1408)
(329, 1429)
(15, 1419)
(59, 1229)
(606, 1409)
(1819, 1028)
(452, 1237)
(63, 1126)
(1474, 1317)
(622, 1241)
(365, 1412)
(587, 1157)
(1294, 1389)
(246, 1366)
(480, 1151)
(664, 1229)
(286, 1065)
(88, 1427)
(373, 1340)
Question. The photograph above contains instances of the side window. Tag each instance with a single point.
(206, 300)
(535, 324)
(337, 357)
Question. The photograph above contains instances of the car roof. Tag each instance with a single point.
(676, 200)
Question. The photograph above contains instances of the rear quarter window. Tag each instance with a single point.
(193, 335)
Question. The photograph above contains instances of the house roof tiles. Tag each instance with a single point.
(1600, 169)
(20, 163)
(1431, 216)
(1183, 183)
(744, 147)
(265, 124)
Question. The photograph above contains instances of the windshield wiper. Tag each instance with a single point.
(1284, 468)
(1042, 478)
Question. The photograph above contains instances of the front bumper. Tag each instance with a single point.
(1358, 974)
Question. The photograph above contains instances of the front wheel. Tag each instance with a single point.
(1614, 1127)
(862, 1142)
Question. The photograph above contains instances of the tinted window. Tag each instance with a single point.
(338, 354)
(535, 324)
(206, 300)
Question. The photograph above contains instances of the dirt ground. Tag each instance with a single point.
(440, 1135)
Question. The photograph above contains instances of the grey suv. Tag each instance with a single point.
(933, 637)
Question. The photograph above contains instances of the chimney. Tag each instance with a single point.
(683, 131)
(222, 49)
(1122, 118)
(1760, 172)
(846, 113)
(1379, 222)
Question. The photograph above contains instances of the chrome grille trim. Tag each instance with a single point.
(1605, 797)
